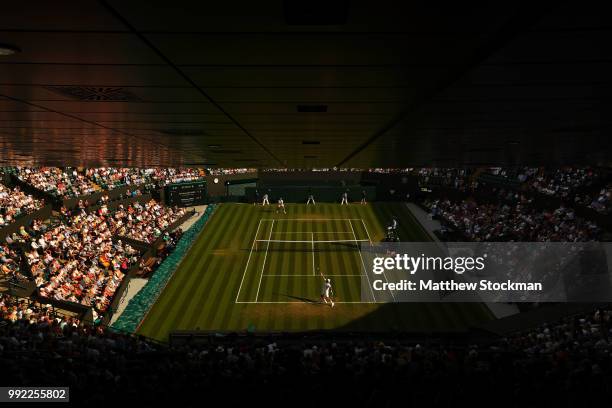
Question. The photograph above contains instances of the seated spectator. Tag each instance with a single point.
(514, 221)
(14, 203)
(560, 363)
(563, 182)
(222, 172)
(603, 202)
(447, 177)
(144, 222)
(165, 176)
(59, 182)
(110, 178)
(79, 262)
(10, 261)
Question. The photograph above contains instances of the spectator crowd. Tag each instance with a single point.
(10, 262)
(563, 363)
(582, 186)
(163, 176)
(600, 202)
(15, 203)
(447, 177)
(144, 222)
(514, 220)
(562, 182)
(78, 261)
(111, 177)
(80, 256)
(75, 258)
(66, 182)
(72, 182)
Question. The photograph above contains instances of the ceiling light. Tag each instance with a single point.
(6, 50)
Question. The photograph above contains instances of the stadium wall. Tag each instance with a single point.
(85, 313)
(299, 194)
(379, 186)
(25, 220)
(219, 189)
(125, 283)
(310, 178)
(113, 205)
(25, 187)
(71, 203)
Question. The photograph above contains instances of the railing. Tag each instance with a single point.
(25, 220)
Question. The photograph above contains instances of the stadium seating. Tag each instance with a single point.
(144, 222)
(564, 362)
(447, 177)
(76, 257)
(58, 182)
(14, 203)
(79, 262)
(72, 182)
(525, 204)
(517, 221)
(83, 256)
(10, 262)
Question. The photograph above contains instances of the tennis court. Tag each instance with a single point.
(288, 256)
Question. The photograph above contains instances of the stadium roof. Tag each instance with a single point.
(304, 84)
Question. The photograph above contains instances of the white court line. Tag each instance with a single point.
(308, 276)
(264, 263)
(311, 219)
(365, 271)
(301, 302)
(248, 260)
(384, 275)
(312, 241)
(366, 230)
(312, 232)
(309, 241)
(313, 257)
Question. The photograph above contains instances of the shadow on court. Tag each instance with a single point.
(301, 299)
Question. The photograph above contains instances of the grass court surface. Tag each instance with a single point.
(255, 269)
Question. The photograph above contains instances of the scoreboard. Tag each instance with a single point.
(186, 194)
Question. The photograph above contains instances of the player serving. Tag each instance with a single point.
(327, 291)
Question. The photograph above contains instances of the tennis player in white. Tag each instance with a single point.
(281, 206)
(344, 199)
(327, 291)
(265, 200)
(310, 200)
